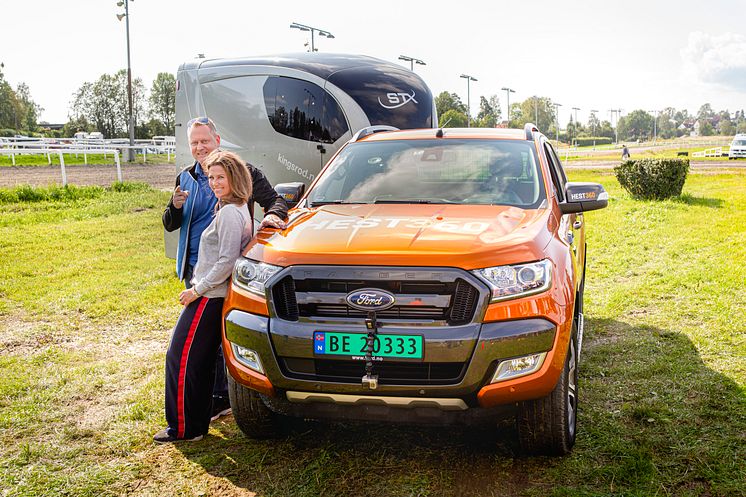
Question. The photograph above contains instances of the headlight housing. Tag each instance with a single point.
(518, 280)
(252, 275)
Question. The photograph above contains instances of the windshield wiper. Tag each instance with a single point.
(415, 201)
(333, 202)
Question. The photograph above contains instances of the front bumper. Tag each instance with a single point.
(475, 350)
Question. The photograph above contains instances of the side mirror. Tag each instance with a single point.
(582, 197)
(291, 192)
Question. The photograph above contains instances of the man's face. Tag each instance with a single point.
(202, 142)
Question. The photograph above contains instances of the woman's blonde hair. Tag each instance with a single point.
(238, 175)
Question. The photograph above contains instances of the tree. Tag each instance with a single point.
(637, 125)
(448, 101)
(105, 105)
(27, 108)
(489, 112)
(705, 112)
(528, 110)
(453, 118)
(163, 104)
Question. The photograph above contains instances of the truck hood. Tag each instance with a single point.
(465, 236)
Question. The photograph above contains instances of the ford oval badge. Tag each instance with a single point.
(370, 299)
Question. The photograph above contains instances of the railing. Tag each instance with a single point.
(710, 152)
(60, 152)
(157, 145)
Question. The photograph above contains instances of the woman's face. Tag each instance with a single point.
(219, 183)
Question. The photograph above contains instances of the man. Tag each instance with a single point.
(625, 152)
(191, 209)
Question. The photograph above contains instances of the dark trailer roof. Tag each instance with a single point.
(322, 65)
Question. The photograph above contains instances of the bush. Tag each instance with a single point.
(7, 132)
(655, 179)
(129, 186)
(587, 141)
(28, 194)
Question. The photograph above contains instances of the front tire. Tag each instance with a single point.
(547, 426)
(252, 415)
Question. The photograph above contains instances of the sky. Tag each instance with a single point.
(587, 54)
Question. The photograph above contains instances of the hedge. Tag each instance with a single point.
(654, 179)
(587, 141)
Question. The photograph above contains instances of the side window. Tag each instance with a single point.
(558, 174)
(303, 110)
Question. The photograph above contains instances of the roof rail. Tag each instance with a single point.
(370, 130)
(529, 128)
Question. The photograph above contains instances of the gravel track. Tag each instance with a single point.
(162, 176)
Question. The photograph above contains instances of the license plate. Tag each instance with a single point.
(353, 345)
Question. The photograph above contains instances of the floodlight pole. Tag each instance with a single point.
(303, 27)
(508, 91)
(593, 127)
(556, 116)
(469, 79)
(412, 61)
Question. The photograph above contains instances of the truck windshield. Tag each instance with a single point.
(488, 172)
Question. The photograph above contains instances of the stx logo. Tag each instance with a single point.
(397, 100)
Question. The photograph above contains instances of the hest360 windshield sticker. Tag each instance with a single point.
(393, 223)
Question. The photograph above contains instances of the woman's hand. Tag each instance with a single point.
(188, 296)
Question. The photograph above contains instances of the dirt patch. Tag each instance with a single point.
(161, 176)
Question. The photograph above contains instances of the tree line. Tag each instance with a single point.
(636, 125)
(17, 109)
(101, 105)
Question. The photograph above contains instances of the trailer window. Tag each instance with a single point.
(303, 110)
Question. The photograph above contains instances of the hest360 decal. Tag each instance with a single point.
(393, 223)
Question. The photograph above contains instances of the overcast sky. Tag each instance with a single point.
(587, 54)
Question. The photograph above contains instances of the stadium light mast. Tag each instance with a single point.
(321, 32)
(412, 61)
(130, 121)
(468, 79)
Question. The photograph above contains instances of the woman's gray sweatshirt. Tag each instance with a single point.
(220, 246)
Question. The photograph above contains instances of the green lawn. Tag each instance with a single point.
(87, 300)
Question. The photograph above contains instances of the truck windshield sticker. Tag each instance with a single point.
(464, 227)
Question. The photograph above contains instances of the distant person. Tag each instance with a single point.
(192, 208)
(625, 152)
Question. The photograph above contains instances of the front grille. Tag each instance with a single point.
(453, 301)
(396, 312)
(283, 296)
(391, 373)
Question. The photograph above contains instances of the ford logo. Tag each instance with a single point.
(370, 299)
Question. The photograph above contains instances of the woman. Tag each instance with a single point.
(190, 360)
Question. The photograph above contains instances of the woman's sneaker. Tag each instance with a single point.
(163, 437)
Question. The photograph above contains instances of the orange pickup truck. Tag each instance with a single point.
(427, 276)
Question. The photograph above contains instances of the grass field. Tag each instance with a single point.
(87, 300)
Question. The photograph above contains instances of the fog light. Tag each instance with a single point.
(520, 366)
(248, 358)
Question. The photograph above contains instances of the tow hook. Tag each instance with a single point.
(370, 380)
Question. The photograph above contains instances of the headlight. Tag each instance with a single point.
(509, 282)
(252, 275)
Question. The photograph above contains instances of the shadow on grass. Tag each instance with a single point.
(689, 199)
(654, 419)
